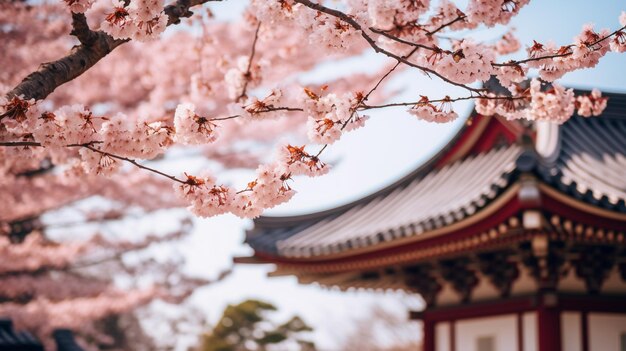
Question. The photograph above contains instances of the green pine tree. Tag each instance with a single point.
(245, 327)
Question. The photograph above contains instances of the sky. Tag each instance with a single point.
(391, 145)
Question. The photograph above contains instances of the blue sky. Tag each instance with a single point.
(391, 145)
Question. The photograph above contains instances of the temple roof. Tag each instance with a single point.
(12, 340)
(584, 159)
(17, 340)
(591, 160)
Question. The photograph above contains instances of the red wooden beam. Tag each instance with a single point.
(429, 335)
(549, 324)
(584, 331)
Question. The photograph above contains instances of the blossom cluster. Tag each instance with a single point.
(79, 6)
(509, 74)
(467, 62)
(554, 62)
(253, 108)
(96, 137)
(508, 44)
(330, 115)
(140, 20)
(592, 104)
(448, 14)
(238, 77)
(269, 189)
(22, 258)
(492, 12)
(327, 30)
(556, 104)
(618, 43)
(192, 129)
(428, 112)
(385, 14)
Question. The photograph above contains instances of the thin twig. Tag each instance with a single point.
(397, 104)
(386, 75)
(135, 163)
(460, 18)
(247, 75)
(400, 40)
(538, 58)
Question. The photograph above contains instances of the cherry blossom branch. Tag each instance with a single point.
(386, 75)
(354, 24)
(94, 47)
(400, 40)
(81, 30)
(224, 118)
(397, 104)
(134, 163)
(247, 75)
(104, 153)
(460, 18)
(37, 144)
(564, 54)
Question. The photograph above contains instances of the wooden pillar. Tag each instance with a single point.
(429, 335)
(452, 336)
(584, 332)
(520, 331)
(549, 323)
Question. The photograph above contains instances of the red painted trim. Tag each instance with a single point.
(494, 131)
(605, 304)
(489, 135)
(484, 309)
(429, 335)
(509, 209)
(549, 328)
(584, 331)
(519, 305)
(520, 331)
(565, 211)
(466, 134)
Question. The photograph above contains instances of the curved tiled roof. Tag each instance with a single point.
(591, 160)
(587, 161)
(417, 207)
(11, 340)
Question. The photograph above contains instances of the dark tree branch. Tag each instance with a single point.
(94, 46)
(81, 30)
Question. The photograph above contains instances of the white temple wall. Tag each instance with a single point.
(607, 331)
(487, 334)
(571, 337)
(442, 336)
(529, 328)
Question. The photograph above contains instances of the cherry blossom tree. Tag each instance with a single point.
(97, 98)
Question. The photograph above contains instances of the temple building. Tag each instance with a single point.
(12, 340)
(513, 234)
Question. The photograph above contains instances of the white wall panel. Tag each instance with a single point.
(605, 331)
(571, 337)
(442, 336)
(529, 322)
(502, 328)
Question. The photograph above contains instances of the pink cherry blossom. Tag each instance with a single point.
(592, 104)
(428, 112)
(191, 128)
(556, 104)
